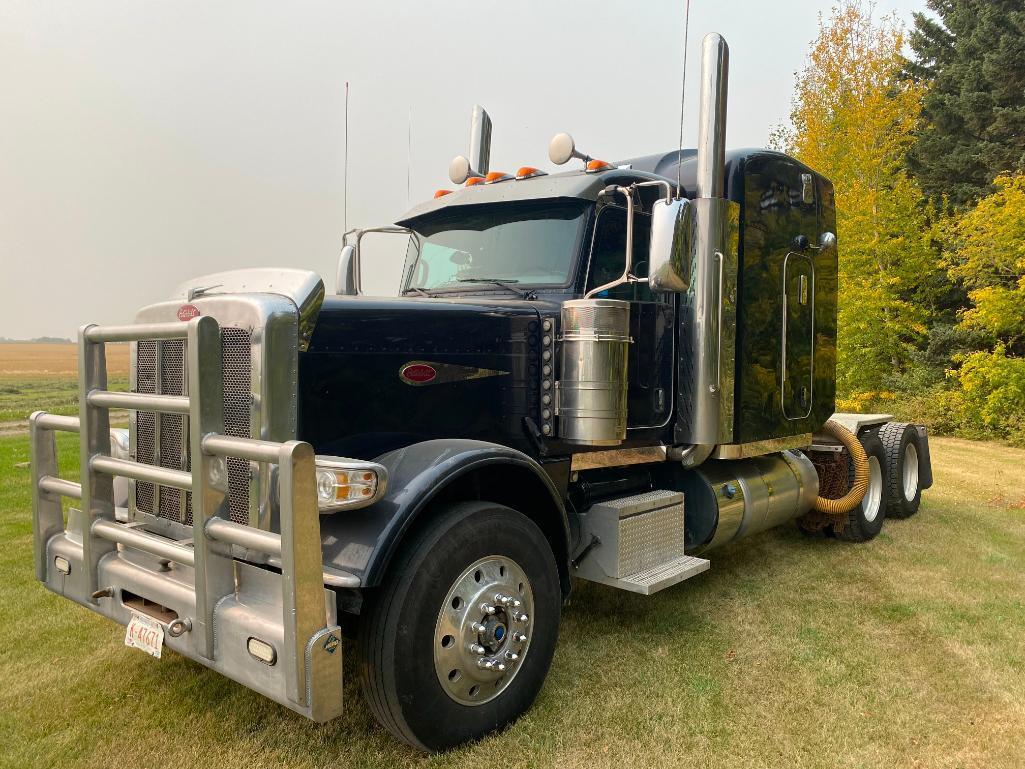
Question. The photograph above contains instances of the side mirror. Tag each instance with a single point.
(672, 238)
(345, 278)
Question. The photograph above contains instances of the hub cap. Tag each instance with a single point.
(483, 630)
(910, 472)
(870, 504)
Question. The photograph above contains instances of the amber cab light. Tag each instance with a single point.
(593, 166)
(529, 171)
(442, 193)
(496, 176)
(474, 180)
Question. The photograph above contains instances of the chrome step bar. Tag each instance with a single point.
(72, 561)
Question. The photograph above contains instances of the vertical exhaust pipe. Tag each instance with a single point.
(715, 65)
(708, 308)
(480, 140)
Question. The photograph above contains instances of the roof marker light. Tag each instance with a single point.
(496, 176)
(474, 180)
(594, 166)
(442, 193)
(528, 172)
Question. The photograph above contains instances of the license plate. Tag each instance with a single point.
(146, 634)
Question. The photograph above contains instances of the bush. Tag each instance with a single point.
(990, 394)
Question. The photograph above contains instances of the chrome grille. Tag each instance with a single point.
(164, 440)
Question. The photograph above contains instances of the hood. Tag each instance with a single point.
(382, 373)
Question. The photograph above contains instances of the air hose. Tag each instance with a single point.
(850, 500)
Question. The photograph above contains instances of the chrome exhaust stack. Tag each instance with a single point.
(477, 164)
(709, 305)
(715, 65)
(480, 140)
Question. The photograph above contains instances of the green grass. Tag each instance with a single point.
(20, 395)
(905, 652)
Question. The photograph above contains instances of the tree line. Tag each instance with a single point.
(922, 132)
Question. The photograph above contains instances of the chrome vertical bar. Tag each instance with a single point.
(302, 576)
(214, 568)
(94, 440)
(47, 513)
(715, 64)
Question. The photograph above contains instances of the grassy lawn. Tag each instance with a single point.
(905, 652)
(20, 396)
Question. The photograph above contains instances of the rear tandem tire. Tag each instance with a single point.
(416, 627)
(904, 451)
(865, 521)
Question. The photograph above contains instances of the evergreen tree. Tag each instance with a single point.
(973, 115)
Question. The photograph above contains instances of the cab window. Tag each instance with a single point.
(608, 255)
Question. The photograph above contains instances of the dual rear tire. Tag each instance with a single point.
(895, 452)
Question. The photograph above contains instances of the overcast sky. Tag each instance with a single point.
(143, 143)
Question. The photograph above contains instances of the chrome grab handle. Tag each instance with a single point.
(718, 326)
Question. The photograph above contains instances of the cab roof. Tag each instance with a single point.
(577, 184)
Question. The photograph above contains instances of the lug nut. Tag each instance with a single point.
(485, 663)
(487, 608)
(521, 617)
(500, 666)
(512, 656)
(478, 628)
(476, 649)
(519, 637)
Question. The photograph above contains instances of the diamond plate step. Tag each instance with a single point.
(654, 579)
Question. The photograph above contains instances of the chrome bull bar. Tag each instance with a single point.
(220, 603)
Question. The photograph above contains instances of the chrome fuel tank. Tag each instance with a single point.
(730, 499)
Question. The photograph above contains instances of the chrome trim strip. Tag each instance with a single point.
(618, 457)
(758, 448)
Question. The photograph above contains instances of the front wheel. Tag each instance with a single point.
(459, 640)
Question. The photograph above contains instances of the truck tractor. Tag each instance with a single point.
(600, 374)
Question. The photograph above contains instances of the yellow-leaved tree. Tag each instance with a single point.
(987, 254)
(852, 120)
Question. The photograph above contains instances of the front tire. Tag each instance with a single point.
(439, 669)
(865, 521)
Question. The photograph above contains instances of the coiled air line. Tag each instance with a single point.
(852, 498)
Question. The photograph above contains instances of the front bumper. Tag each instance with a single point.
(209, 601)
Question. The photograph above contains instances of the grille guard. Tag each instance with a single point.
(225, 601)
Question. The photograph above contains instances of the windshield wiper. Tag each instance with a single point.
(529, 295)
(419, 290)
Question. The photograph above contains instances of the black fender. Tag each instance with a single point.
(363, 542)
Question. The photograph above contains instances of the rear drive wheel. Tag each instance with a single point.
(459, 640)
(865, 521)
(903, 449)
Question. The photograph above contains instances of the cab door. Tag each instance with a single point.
(652, 316)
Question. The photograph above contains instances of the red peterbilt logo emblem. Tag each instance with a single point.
(417, 373)
(188, 312)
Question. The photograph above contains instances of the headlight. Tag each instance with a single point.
(347, 484)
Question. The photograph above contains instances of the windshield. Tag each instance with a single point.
(530, 243)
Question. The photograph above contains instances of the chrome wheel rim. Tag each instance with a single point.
(483, 631)
(874, 495)
(910, 472)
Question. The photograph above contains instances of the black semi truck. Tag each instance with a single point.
(603, 373)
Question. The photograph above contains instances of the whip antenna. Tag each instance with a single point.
(683, 99)
(345, 166)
